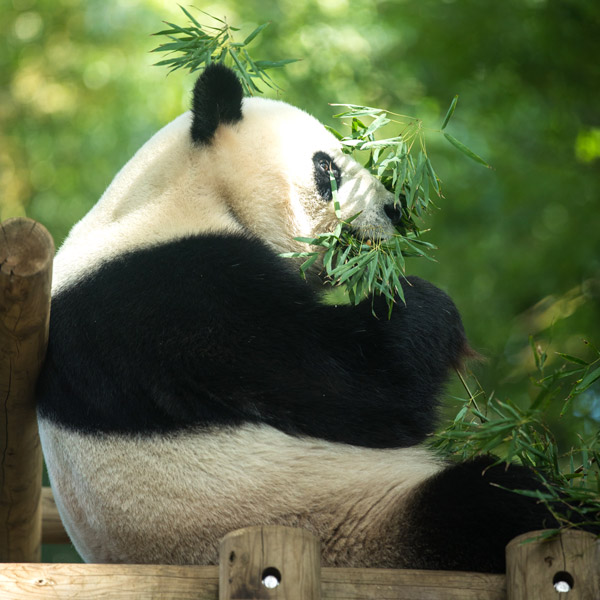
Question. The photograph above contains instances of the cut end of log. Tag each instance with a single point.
(26, 247)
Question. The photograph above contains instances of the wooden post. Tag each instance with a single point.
(270, 562)
(26, 252)
(567, 567)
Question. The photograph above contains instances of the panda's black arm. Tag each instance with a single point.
(218, 330)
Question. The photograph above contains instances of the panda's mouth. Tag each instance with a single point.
(372, 234)
(377, 224)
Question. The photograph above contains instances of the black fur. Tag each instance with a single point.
(323, 166)
(461, 520)
(217, 99)
(218, 330)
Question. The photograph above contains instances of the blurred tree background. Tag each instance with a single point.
(519, 246)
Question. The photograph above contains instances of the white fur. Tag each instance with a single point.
(170, 499)
(256, 175)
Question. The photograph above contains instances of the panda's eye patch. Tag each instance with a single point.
(324, 165)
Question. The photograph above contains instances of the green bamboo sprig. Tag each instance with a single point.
(362, 267)
(197, 45)
(367, 268)
(515, 433)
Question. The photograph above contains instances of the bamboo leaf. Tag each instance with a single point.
(168, 61)
(450, 112)
(433, 177)
(255, 33)
(348, 273)
(588, 380)
(245, 78)
(308, 263)
(362, 111)
(306, 240)
(573, 359)
(189, 16)
(213, 17)
(328, 258)
(337, 134)
(397, 286)
(269, 64)
(380, 121)
(397, 141)
(466, 150)
(372, 269)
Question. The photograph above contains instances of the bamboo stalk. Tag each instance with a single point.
(26, 252)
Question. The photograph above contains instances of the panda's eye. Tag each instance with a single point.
(328, 166)
(324, 167)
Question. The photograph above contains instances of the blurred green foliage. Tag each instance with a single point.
(519, 245)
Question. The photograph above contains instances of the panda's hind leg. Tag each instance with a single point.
(463, 517)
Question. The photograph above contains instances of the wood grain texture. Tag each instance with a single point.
(534, 567)
(290, 556)
(26, 253)
(161, 582)
(405, 584)
(25, 581)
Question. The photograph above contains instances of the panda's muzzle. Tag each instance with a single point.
(381, 225)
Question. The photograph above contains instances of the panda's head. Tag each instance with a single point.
(231, 165)
(273, 162)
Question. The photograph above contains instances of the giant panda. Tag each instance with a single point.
(195, 384)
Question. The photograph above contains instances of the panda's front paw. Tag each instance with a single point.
(431, 320)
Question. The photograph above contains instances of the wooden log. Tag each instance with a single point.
(53, 530)
(167, 582)
(270, 561)
(26, 252)
(567, 566)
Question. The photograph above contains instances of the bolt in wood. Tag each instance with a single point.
(270, 562)
(565, 567)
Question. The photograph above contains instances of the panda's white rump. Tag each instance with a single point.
(169, 499)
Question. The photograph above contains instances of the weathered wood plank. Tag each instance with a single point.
(404, 584)
(118, 582)
(148, 582)
(26, 252)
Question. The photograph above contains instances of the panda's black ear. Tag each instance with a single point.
(217, 99)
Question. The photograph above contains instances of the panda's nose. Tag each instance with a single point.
(394, 214)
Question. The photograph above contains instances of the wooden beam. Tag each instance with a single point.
(26, 253)
(163, 582)
(26, 581)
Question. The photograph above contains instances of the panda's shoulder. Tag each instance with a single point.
(190, 269)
